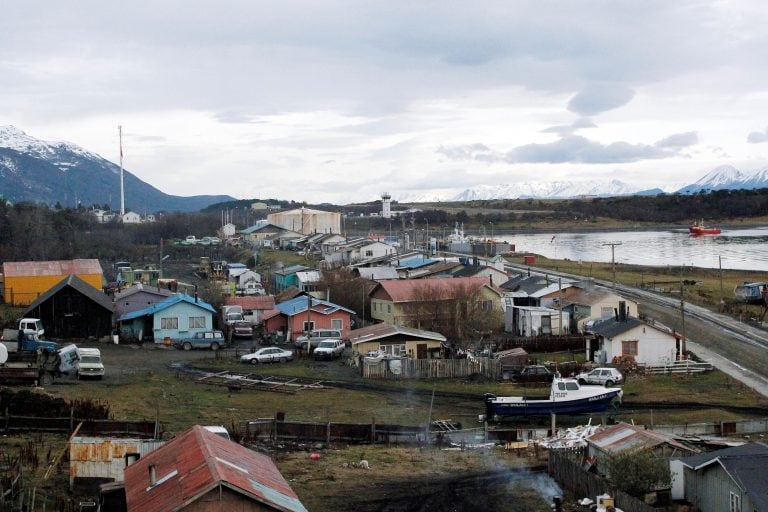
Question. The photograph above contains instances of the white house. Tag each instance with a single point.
(358, 250)
(647, 343)
(131, 218)
(535, 321)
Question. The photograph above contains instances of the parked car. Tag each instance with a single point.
(89, 364)
(268, 355)
(603, 376)
(242, 329)
(328, 349)
(205, 339)
(316, 336)
(534, 373)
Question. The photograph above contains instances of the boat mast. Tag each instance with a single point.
(122, 190)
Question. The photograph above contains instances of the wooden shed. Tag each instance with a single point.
(74, 309)
(25, 281)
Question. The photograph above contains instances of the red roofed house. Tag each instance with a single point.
(203, 472)
(25, 281)
(254, 306)
(429, 303)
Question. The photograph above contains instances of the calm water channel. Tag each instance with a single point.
(743, 249)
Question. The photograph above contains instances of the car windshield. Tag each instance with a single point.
(89, 359)
(327, 344)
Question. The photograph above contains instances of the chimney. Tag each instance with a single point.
(152, 474)
(622, 311)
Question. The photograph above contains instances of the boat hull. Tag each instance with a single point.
(695, 230)
(520, 406)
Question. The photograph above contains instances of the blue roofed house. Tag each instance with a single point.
(178, 316)
(292, 318)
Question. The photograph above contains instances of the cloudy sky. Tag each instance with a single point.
(339, 101)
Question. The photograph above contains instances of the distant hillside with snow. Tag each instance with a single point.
(50, 172)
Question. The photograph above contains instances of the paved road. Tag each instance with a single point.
(733, 347)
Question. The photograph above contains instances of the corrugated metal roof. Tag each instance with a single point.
(299, 304)
(416, 262)
(197, 461)
(260, 302)
(379, 331)
(624, 437)
(51, 268)
(165, 304)
(97, 296)
(406, 290)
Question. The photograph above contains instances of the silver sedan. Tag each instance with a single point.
(268, 355)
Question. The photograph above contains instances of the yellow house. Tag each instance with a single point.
(425, 303)
(397, 341)
(25, 281)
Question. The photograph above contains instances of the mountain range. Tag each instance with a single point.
(725, 177)
(38, 171)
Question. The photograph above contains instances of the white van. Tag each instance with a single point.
(316, 336)
(89, 364)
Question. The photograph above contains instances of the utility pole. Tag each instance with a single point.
(682, 315)
(613, 260)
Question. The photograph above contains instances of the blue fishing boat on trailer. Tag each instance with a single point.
(567, 396)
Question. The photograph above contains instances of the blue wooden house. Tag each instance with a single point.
(179, 316)
(287, 277)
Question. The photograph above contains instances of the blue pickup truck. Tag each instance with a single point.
(30, 343)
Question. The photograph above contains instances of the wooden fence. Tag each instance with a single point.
(565, 467)
(9, 423)
(432, 368)
(274, 429)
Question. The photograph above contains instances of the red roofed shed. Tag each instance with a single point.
(203, 472)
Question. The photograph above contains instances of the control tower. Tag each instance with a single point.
(386, 205)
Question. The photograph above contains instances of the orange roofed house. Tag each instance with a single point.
(201, 471)
(431, 303)
(25, 281)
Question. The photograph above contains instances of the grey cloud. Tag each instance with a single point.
(479, 152)
(576, 149)
(678, 140)
(758, 137)
(598, 98)
(564, 130)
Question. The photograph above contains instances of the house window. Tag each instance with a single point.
(169, 323)
(389, 308)
(197, 322)
(735, 505)
(337, 323)
(546, 325)
(604, 312)
(309, 326)
(629, 347)
(368, 253)
(486, 305)
(395, 349)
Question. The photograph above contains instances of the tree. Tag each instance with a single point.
(637, 473)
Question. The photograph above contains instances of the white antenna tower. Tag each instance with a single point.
(122, 189)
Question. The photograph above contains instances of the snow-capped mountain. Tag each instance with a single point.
(550, 189)
(723, 177)
(51, 172)
(727, 177)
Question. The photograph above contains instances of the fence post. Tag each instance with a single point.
(328, 433)
(373, 429)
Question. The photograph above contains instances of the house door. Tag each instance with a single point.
(421, 351)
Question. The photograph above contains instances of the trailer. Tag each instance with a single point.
(31, 368)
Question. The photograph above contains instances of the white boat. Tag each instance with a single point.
(566, 396)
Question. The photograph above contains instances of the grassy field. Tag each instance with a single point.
(143, 381)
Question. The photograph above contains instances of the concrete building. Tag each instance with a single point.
(307, 221)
